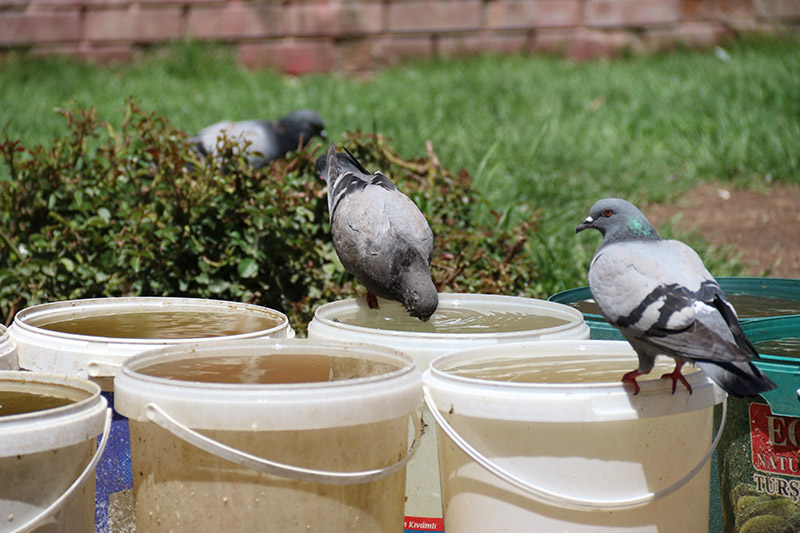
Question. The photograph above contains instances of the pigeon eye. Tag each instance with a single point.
(608, 213)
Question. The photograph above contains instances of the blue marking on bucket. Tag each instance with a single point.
(114, 469)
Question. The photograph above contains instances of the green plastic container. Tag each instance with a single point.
(759, 453)
(752, 294)
(600, 330)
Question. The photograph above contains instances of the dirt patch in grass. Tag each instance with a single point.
(763, 226)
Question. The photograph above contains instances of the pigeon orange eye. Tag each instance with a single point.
(608, 213)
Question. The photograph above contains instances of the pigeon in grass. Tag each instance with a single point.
(664, 301)
(379, 234)
(268, 140)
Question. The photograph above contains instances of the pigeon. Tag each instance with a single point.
(268, 140)
(660, 296)
(379, 234)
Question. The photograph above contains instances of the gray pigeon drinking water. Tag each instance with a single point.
(268, 140)
(379, 234)
(664, 301)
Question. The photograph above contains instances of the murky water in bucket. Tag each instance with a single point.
(164, 324)
(567, 369)
(449, 320)
(788, 347)
(746, 305)
(272, 369)
(18, 402)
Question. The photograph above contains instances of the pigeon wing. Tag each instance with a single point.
(660, 293)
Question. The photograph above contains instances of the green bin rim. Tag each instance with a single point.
(784, 371)
(789, 288)
(770, 329)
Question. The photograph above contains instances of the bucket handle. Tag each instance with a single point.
(54, 507)
(157, 415)
(567, 502)
(102, 369)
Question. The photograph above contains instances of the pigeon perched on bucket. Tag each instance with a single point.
(379, 234)
(660, 296)
(268, 140)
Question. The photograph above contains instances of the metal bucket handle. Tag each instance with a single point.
(54, 507)
(560, 500)
(158, 416)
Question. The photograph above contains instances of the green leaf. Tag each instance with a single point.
(248, 268)
(68, 264)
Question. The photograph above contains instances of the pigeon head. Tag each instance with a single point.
(414, 286)
(301, 125)
(419, 294)
(618, 220)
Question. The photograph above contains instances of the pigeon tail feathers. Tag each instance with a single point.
(738, 378)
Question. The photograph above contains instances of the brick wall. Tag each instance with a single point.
(300, 36)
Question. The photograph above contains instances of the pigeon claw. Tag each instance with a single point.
(372, 301)
(676, 376)
(630, 377)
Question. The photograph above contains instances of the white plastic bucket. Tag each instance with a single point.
(571, 456)
(316, 456)
(99, 358)
(48, 455)
(423, 492)
(8, 351)
(423, 347)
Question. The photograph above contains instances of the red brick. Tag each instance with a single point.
(398, 48)
(98, 54)
(139, 24)
(787, 8)
(236, 21)
(311, 19)
(39, 27)
(115, 3)
(18, 5)
(718, 10)
(580, 44)
(291, 56)
(359, 19)
(358, 55)
(692, 34)
(509, 14)
(482, 43)
(432, 15)
(617, 13)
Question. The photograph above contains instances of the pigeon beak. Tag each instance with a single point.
(585, 224)
(324, 134)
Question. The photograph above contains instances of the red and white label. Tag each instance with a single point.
(775, 441)
(420, 523)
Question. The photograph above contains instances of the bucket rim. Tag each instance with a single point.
(8, 350)
(92, 389)
(768, 329)
(47, 309)
(731, 285)
(583, 402)
(190, 351)
(235, 406)
(454, 299)
(38, 426)
(568, 347)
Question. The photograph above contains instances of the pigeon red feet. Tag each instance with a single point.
(631, 376)
(676, 376)
(372, 301)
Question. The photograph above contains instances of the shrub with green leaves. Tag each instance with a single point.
(135, 211)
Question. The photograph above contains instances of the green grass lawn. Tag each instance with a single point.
(535, 132)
